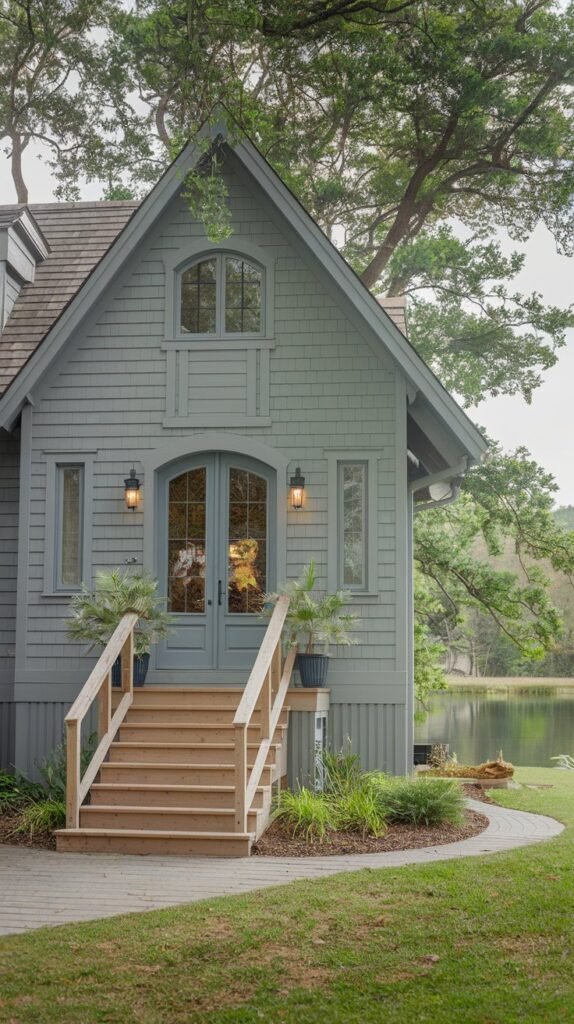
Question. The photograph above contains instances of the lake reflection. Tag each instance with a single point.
(528, 728)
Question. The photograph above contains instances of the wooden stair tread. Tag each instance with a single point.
(127, 809)
(168, 765)
(163, 745)
(126, 724)
(143, 833)
(188, 707)
(160, 787)
(189, 689)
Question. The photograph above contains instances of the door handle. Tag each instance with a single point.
(219, 592)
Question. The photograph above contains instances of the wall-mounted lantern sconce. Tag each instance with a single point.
(297, 488)
(132, 490)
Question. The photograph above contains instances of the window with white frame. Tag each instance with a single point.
(221, 295)
(352, 522)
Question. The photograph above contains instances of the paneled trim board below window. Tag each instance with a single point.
(68, 523)
(219, 335)
(352, 528)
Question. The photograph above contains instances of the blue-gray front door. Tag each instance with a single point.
(217, 552)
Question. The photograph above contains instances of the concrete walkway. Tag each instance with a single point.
(39, 887)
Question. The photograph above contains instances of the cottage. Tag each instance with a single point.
(216, 372)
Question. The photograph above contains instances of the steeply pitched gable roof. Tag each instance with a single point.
(78, 235)
(380, 330)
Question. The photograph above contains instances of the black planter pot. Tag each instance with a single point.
(313, 669)
(141, 665)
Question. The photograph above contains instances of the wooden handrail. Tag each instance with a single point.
(98, 684)
(268, 680)
(262, 662)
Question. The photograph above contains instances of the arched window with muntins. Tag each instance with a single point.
(220, 295)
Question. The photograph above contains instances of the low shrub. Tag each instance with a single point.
(16, 792)
(42, 817)
(421, 801)
(306, 813)
(359, 810)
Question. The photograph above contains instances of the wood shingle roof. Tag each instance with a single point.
(78, 235)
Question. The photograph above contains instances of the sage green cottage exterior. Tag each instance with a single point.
(97, 374)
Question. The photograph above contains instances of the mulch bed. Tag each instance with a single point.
(276, 842)
(8, 822)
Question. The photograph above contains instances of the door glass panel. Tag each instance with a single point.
(186, 542)
(247, 542)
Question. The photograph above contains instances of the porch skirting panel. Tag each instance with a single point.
(377, 732)
(301, 749)
(30, 730)
(39, 727)
(7, 727)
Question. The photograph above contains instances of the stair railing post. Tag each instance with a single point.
(72, 774)
(276, 668)
(105, 708)
(127, 658)
(240, 778)
(266, 705)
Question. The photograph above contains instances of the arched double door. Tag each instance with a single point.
(216, 547)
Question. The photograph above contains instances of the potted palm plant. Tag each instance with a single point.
(314, 621)
(95, 615)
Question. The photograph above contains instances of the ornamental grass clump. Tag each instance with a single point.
(359, 810)
(421, 801)
(306, 813)
(342, 772)
(42, 818)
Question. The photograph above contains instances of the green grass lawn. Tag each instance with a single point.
(480, 941)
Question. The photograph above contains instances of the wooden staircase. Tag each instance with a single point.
(168, 784)
(179, 770)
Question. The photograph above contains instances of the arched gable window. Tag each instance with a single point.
(221, 294)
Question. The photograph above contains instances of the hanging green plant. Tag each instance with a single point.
(207, 196)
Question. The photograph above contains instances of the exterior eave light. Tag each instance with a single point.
(297, 489)
(132, 491)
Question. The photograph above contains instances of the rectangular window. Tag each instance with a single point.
(353, 503)
(70, 517)
(353, 521)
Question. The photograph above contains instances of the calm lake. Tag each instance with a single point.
(529, 728)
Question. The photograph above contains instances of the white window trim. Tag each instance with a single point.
(194, 252)
(369, 459)
(52, 523)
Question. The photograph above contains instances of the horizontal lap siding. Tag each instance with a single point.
(327, 390)
(9, 496)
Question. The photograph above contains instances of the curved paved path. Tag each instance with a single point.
(40, 887)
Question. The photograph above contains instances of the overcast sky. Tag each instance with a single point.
(543, 427)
